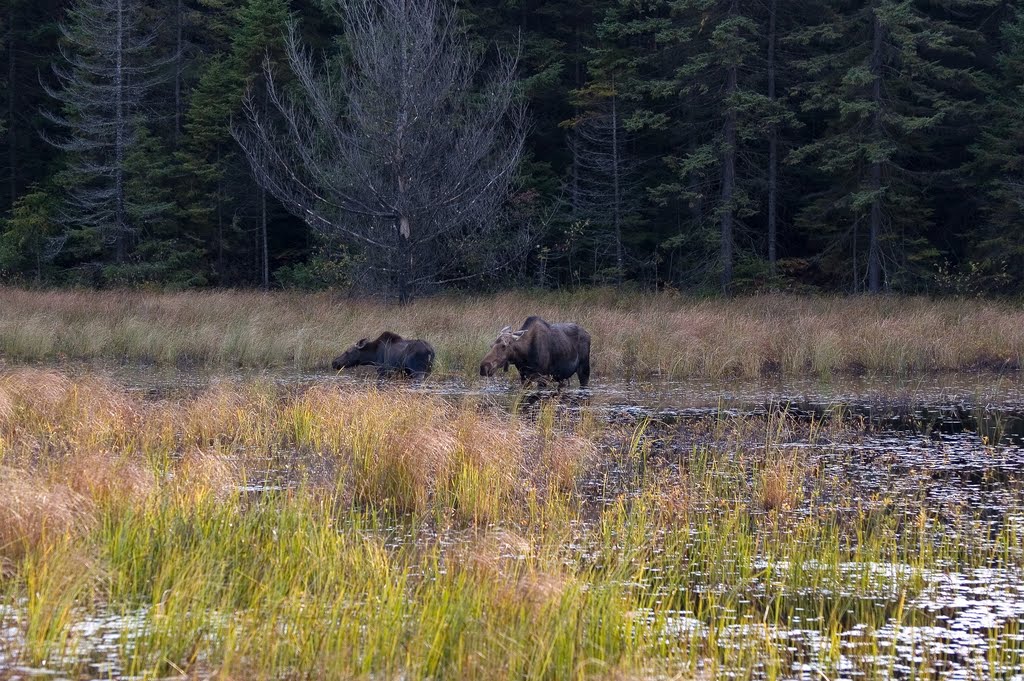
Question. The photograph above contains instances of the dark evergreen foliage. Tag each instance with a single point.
(711, 145)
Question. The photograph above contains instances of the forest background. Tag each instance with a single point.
(701, 145)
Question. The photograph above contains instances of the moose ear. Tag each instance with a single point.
(517, 335)
(361, 343)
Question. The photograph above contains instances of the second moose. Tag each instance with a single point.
(391, 354)
(539, 349)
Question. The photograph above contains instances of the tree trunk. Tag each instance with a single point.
(405, 260)
(264, 248)
(404, 231)
(12, 153)
(220, 220)
(773, 144)
(264, 251)
(179, 19)
(616, 191)
(120, 136)
(874, 249)
(856, 267)
(728, 181)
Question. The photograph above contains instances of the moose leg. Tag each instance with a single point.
(583, 372)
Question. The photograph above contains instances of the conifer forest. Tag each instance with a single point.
(407, 147)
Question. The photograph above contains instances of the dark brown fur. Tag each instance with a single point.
(390, 353)
(540, 349)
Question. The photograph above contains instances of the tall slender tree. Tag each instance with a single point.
(221, 189)
(773, 137)
(7, 81)
(705, 83)
(604, 187)
(108, 70)
(29, 40)
(998, 242)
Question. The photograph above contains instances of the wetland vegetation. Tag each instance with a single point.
(253, 527)
(634, 335)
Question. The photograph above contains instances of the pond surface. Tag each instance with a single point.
(956, 442)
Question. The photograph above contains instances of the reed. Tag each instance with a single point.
(633, 334)
(257, 531)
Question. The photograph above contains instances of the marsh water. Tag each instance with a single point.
(953, 442)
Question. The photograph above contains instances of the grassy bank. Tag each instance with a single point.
(633, 334)
(254, 531)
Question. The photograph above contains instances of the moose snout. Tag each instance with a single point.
(485, 369)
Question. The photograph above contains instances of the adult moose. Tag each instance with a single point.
(540, 349)
(391, 354)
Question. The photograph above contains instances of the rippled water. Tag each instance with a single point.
(971, 631)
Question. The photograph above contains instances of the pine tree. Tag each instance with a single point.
(554, 39)
(699, 72)
(221, 185)
(7, 85)
(603, 186)
(30, 36)
(8, 38)
(163, 253)
(107, 73)
(886, 74)
(998, 244)
(31, 237)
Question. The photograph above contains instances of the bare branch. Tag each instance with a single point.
(403, 146)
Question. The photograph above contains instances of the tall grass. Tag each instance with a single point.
(633, 334)
(395, 535)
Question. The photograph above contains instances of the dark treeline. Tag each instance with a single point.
(844, 145)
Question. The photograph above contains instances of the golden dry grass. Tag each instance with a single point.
(508, 564)
(780, 485)
(396, 449)
(36, 513)
(633, 334)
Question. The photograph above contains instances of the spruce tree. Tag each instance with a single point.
(886, 75)
(28, 37)
(31, 237)
(602, 182)
(698, 70)
(554, 39)
(107, 72)
(220, 186)
(998, 242)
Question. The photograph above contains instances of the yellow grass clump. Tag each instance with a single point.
(780, 486)
(108, 479)
(392, 448)
(35, 513)
(511, 567)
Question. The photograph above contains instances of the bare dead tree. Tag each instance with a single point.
(603, 178)
(107, 71)
(403, 146)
